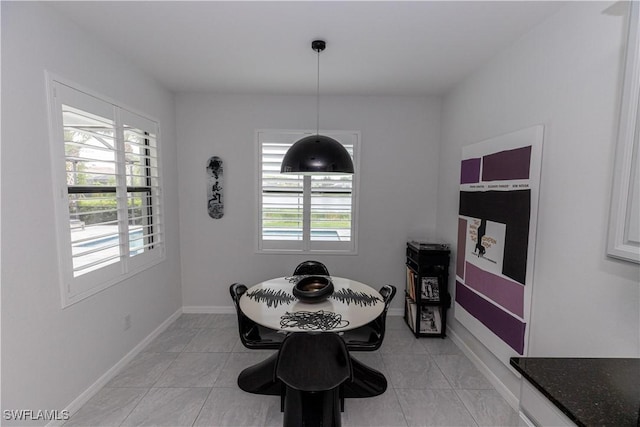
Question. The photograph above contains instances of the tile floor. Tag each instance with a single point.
(187, 377)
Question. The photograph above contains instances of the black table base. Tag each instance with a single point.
(260, 379)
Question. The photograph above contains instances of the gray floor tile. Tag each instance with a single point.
(378, 411)
(275, 418)
(175, 407)
(109, 407)
(223, 321)
(232, 407)
(461, 373)
(395, 323)
(414, 372)
(214, 340)
(240, 348)
(144, 370)
(488, 408)
(433, 408)
(193, 370)
(438, 346)
(193, 320)
(168, 383)
(172, 340)
(401, 341)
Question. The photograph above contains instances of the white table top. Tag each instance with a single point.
(272, 304)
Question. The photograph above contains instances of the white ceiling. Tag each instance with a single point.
(373, 48)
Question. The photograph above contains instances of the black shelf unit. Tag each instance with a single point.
(427, 298)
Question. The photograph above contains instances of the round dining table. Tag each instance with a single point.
(272, 304)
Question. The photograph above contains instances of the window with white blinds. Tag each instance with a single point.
(304, 213)
(107, 178)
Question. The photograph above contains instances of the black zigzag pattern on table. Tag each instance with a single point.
(271, 297)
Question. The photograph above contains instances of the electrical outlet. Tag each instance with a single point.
(127, 322)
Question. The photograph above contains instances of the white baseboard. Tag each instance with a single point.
(115, 369)
(191, 309)
(500, 387)
(524, 421)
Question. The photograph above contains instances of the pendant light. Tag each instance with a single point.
(317, 154)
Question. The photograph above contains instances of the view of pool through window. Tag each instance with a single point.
(97, 246)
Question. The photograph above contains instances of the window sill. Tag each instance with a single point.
(69, 298)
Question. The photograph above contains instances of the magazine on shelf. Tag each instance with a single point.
(411, 284)
(430, 320)
(429, 289)
(411, 313)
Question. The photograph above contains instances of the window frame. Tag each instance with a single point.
(307, 246)
(75, 288)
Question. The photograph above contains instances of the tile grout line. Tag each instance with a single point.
(134, 407)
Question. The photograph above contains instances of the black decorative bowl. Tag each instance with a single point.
(313, 289)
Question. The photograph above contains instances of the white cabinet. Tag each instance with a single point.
(537, 410)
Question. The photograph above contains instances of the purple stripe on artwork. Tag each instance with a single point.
(504, 292)
(506, 327)
(470, 171)
(462, 247)
(506, 165)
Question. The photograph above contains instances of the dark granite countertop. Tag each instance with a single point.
(590, 391)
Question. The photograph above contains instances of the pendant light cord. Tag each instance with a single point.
(318, 97)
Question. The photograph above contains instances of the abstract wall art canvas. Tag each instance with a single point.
(499, 187)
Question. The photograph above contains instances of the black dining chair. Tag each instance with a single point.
(370, 336)
(252, 335)
(312, 368)
(307, 268)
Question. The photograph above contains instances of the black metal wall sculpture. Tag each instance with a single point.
(215, 187)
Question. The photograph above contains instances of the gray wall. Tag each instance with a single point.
(565, 74)
(398, 185)
(51, 355)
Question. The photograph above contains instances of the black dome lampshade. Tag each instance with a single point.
(317, 154)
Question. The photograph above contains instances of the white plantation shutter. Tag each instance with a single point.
(304, 214)
(106, 174)
(144, 199)
(91, 174)
(282, 196)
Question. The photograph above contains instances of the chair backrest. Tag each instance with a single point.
(237, 290)
(370, 336)
(249, 331)
(387, 292)
(313, 361)
(245, 325)
(311, 268)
